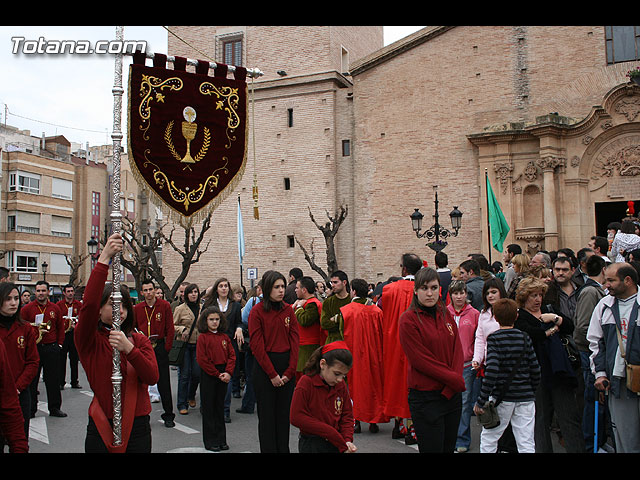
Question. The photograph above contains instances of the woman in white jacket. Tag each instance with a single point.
(493, 290)
(625, 241)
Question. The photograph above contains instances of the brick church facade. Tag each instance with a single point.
(546, 111)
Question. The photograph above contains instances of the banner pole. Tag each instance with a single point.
(116, 225)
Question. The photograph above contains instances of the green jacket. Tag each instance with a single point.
(330, 319)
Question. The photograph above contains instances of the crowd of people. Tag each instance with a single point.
(542, 345)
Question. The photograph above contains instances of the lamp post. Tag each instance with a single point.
(437, 231)
(93, 247)
(44, 265)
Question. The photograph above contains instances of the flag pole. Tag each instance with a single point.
(116, 218)
(486, 187)
(240, 240)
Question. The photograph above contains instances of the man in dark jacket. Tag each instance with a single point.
(588, 297)
(445, 273)
(562, 291)
(290, 296)
(470, 274)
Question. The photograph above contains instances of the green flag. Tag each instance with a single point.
(497, 222)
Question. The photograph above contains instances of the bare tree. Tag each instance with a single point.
(75, 262)
(190, 251)
(140, 256)
(143, 262)
(329, 231)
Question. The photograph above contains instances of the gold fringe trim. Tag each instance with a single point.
(200, 214)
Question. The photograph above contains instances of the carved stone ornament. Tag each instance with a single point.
(625, 161)
(629, 108)
(533, 248)
(530, 171)
(621, 157)
(550, 163)
(575, 161)
(503, 173)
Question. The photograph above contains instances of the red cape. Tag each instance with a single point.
(363, 335)
(396, 298)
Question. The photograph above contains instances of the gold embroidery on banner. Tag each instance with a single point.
(186, 196)
(149, 87)
(191, 129)
(228, 95)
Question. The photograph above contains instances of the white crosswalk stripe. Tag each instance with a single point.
(38, 429)
(182, 428)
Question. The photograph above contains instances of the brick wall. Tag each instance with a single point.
(408, 120)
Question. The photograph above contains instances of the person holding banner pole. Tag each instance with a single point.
(95, 340)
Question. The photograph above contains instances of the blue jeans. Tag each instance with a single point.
(589, 412)
(472, 384)
(188, 377)
(249, 397)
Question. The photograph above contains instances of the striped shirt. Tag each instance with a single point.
(504, 347)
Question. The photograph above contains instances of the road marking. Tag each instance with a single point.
(414, 446)
(189, 450)
(182, 428)
(38, 429)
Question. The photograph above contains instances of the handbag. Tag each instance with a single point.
(632, 371)
(176, 354)
(572, 350)
(569, 345)
(489, 418)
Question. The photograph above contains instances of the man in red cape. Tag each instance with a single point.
(362, 332)
(396, 298)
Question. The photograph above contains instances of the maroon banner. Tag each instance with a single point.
(187, 133)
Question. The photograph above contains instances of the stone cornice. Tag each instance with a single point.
(329, 76)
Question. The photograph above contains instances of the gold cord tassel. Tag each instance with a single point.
(256, 213)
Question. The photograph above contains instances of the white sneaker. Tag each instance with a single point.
(461, 449)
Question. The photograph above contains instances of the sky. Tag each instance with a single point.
(71, 94)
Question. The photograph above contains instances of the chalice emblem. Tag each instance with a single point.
(189, 131)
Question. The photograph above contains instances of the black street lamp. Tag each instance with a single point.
(44, 265)
(437, 231)
(93, 247)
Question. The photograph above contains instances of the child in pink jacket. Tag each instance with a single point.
(466, 318)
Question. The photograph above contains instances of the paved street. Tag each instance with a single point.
(66, 435)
